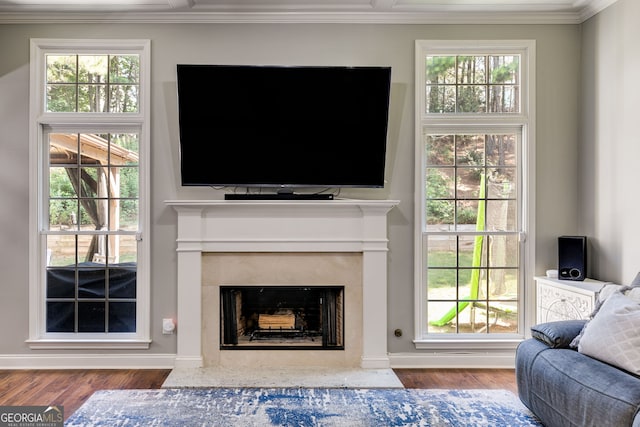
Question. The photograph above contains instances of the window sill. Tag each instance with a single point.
(89, 344)
(466, 345)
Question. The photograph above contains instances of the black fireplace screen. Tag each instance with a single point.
(282, 317)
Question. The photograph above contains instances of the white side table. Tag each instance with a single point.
(565, 299)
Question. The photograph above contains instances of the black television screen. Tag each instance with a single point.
(283, 126)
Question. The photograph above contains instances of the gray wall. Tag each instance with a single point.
(610, 142)
(558, 77)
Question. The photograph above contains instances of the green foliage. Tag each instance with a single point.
(459, 83)
(438, 211)
(93, 83)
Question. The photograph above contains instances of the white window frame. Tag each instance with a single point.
(461, 122)
(42, 122)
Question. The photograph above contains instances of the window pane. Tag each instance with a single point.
(441, 284)
(504, 99)
(505, 317)
(440, 212)
(440, 99)
(501, 215)
(63, 214)
(91, 282)
(472, 253)
(122, 282)
(441, 316)
(93, 182)
(471, 70)
(469, 182)
(503, 284)
(472, 99)
(501, 150)
(124, 69)
(441, 69)
(467, 214)
(87, 247)
(439, 150)
(122, 317)
(92, 98)
(123, 98)
(127, 178)
(61, 68)
(124, 149)
(504, 69)
(60, 316)
(126, 215)
(61, 98)
(439, 183)
(61, 282)
(127, 251)
(61, 250)
(502, 184)
(92, 68)
(470, 150)
(504, 251)
(60, 184)
(91, 316)
(441, 251)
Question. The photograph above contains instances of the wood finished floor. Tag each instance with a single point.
(71, 388)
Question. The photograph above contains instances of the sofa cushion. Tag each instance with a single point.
(613, 335)
(565, 388)
(557, 334)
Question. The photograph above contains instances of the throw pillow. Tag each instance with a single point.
(613, 335)
(606, 291)
(557, 334)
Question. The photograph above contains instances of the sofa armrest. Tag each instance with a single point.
(557, 334)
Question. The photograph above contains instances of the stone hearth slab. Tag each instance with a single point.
(305, 377)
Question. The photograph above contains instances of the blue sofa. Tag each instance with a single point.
(563, 387)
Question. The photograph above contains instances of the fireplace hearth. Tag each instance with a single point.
(281, 317)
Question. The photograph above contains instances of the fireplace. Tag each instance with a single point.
(224, 243)
(281, 317)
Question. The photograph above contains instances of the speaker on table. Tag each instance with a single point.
(572, 257)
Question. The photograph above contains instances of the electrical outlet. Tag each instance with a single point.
(168, 326)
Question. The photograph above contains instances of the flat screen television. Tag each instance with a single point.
(283, 126)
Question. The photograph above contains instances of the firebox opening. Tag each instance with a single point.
(282, 317)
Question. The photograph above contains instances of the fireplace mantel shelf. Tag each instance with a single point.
(340, 225)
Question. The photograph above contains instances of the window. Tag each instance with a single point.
(89, 145)
(473, 150)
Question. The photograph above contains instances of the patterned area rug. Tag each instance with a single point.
(302, 407)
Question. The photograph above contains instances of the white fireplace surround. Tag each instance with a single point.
(226, 226)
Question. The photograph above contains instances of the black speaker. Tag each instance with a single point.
(572, 257)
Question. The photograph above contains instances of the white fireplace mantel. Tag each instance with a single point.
(282, 226)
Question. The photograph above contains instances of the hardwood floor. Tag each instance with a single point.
(71, 388)
(459, 378)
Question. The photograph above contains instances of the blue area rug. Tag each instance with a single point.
(302, 407)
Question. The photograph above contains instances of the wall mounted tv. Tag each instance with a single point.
(283, 126)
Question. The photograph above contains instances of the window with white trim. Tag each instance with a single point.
(89, 141)
(473, 147)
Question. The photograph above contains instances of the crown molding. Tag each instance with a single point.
(594, 7)
(292, 18)
(351, 12)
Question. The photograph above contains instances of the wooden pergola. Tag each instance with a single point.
(99, 196)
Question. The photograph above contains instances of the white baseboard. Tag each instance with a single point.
(503, 360)
(87, 361)
(471, 360)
